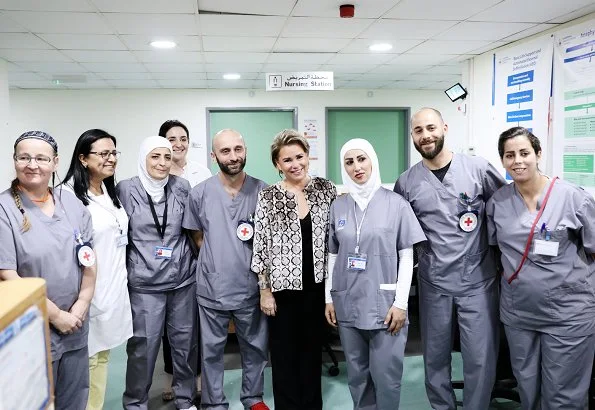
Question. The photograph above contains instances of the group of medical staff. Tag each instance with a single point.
(174, 254)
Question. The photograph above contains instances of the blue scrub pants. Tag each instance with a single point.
(71, 380)
(553, 372)
(478, 320)
(175, 309)
(374, 366)
(252, 332)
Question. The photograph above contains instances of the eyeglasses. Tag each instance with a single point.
(26, 159)
(107, 154)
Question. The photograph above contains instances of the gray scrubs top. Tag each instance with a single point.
(551, 294)
(146, 273)
(48, 251)
(224, 278)
(388, 226)
(453, 261)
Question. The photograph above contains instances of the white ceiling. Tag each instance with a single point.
(105, 43)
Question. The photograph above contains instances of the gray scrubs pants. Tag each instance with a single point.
(477, 317)
(71, 380)
(553, 372)
(374, 366)
(175, 309)
(252, 332)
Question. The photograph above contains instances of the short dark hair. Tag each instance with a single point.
(169, 124)
(80, 175)
(518, 132)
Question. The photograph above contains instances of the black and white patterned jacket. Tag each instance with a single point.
(277, 250)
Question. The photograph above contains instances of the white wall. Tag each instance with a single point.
(5, 164)
(131, 115)
(482, 132)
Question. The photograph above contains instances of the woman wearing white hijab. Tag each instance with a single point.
(161, 284)
(371, 238)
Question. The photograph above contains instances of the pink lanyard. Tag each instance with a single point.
(530, 238)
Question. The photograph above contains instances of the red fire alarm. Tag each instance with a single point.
(346, 11)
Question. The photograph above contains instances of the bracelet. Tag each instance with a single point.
(264, 284)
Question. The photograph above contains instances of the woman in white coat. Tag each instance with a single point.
(91, 177)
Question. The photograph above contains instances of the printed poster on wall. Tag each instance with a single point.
(574, 100)
(521, 88)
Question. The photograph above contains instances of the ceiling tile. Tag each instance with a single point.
(54, 68)
(289, 67)
(52, 5)
(180, 76)
(230, 84)
(9, 26)
(54, 22)
(529, 32)
(254, 44)
(142, 42)
(43, 84)
(14, 68)
(425, 76)
(448, 47)
(24, 76)
(175, 67)
(101, 56)
(182, 83)
(330, 8)
(114, 67)
(133, 83)
(400, 69)
(366, 84)
(492, 46)
(324, 27)
(406, 29)
(574, 14)
(143, 6)
(126, 76)
(354, 59)
(445, 69)
(301, 58)
(322, 45)
(362, 45)
(22, 40)
(353, 69)
(232, 67)
(240, 26)
(256, 7)
(244, 76)
(33, 55)
(84, 41)
(529, 11)
(439, 10)
(169, 56)
(483, 30)
(153, 24)
(421, 59)
(97, 84)
(213, 57)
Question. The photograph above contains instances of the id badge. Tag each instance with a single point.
(547, 248)
(121, 240)
(357, 261)
(163, 252)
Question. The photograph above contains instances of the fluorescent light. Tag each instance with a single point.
(380, 47)
(231, 76)
(163, 44)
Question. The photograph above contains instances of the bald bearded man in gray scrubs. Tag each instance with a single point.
(457, 270)
(220, 218)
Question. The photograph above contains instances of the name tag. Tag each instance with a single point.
(163, 252)
(547, 248)
(122, 240)
(357, 261)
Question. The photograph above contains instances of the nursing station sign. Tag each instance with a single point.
(300, 81)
